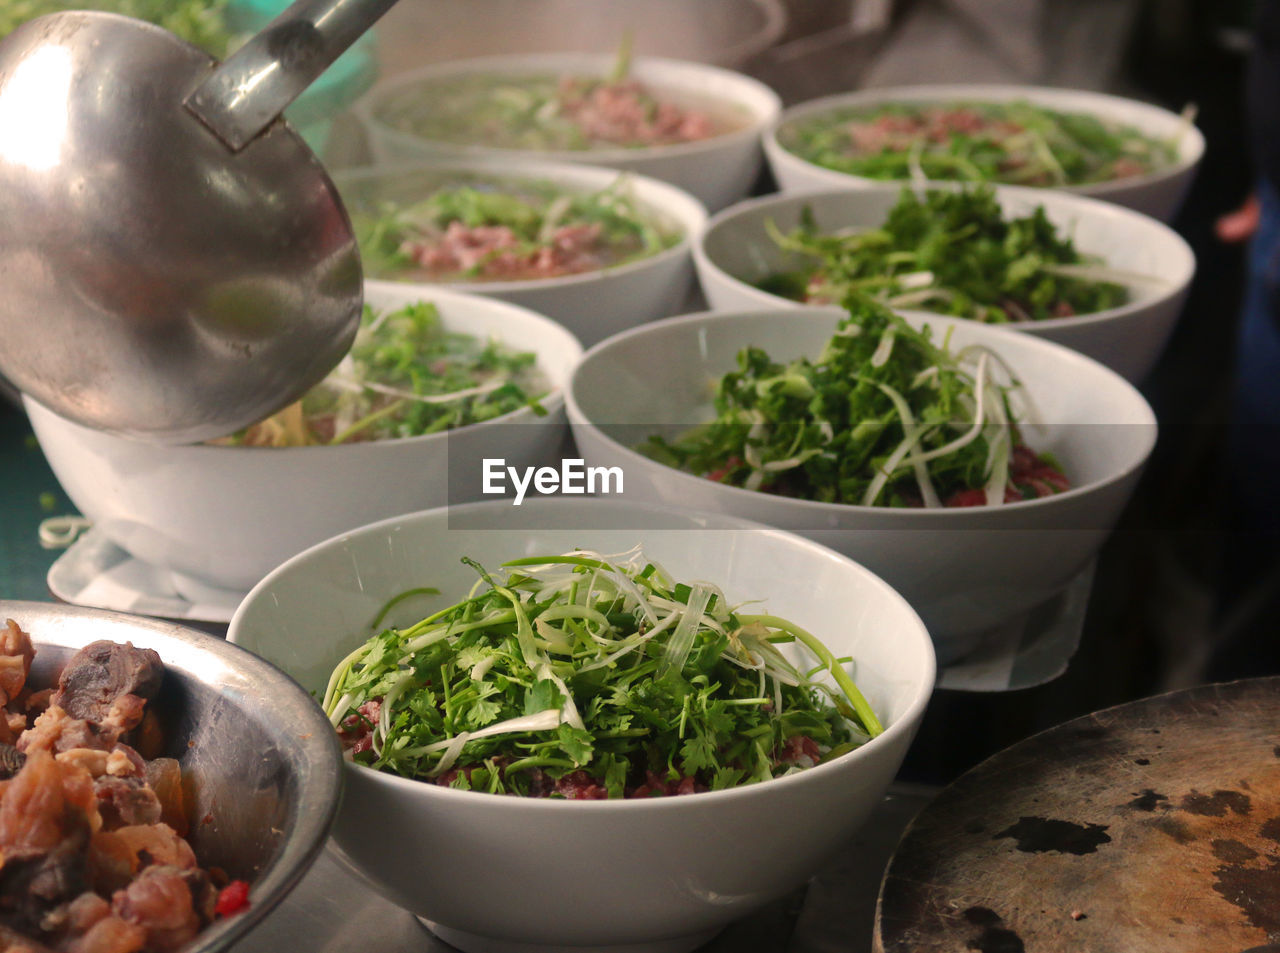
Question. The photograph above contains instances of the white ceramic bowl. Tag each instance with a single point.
(964, 570)
(498, 873)
(1158, 194)
(226, 516)
(592, 305)
(717, 171)
(736, 251)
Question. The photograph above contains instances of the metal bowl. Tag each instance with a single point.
(263, 762)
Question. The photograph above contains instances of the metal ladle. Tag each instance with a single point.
(174, 262)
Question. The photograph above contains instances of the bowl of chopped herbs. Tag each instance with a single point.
(691, 124)
(1121, 150)
(594, 723)
(1103, 280)
(596, 250)
(433, 384)
(976, 469)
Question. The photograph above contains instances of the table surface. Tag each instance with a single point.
(29, 493)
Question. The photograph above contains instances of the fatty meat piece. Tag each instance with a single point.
(160, 901)
(47, 813)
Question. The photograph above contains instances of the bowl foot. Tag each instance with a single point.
(204, 593)
(475, 943)
(954, 648)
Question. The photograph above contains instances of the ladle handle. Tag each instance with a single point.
(246, 93)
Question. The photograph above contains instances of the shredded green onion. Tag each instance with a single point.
(586, 672)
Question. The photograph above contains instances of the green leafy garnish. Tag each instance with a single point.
(954, 252)
(202, 23)
(1015, 142)
(583, 675)
(883, 416)
(405, 376)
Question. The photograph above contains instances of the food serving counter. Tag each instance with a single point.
(332, 905)
(333, 909)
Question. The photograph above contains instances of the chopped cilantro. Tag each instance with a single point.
(595, 671)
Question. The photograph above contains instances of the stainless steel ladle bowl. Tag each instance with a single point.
(174, 261)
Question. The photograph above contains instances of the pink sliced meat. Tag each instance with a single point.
(496, 253)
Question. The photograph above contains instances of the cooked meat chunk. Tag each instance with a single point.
(55, 731)
(626, 112)
(496, 252)
(97, 677)
(11, 941)
(32, 888)
(16, 654)
(38, 701)
(159, 843)
(84, 911)
(111, 934)
(125, 801)
(124, 715)
(35, 805)
(117, 856)
(124, 762)
(46, 816)
(93, 760)
(111, 863)
(205, 897)
(159, 900)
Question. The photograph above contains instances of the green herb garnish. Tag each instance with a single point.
(1014, 142)
(405, 376)
(884, 416)
(953, 252)
(202, 23)
(582, 675)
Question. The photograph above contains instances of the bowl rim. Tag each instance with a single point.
(578, 418)
(318, 801)
(653, 195)
(904, 725)
(1190, 148)
(775, 24)
(552, 402)
(761, 101)
(1049, 199)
